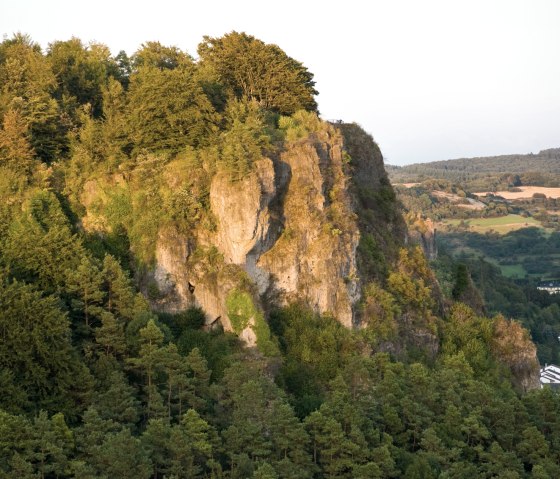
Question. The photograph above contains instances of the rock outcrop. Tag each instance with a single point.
(513, 347)
(422, 231)
(288, 231)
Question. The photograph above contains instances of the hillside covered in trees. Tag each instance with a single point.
(200, 278)
(478, 174)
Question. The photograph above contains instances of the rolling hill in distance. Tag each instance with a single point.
(544, 162)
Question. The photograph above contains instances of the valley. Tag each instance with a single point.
(510, 242)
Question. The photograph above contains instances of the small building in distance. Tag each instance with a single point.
(550, 375)
(551, 287)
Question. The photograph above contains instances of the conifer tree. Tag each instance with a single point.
(110, 335)
(120, 296)
(115, 400)
(85, 282)
(149, 362)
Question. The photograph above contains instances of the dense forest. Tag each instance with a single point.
(537, 310)
(487, 173)
(99, 383)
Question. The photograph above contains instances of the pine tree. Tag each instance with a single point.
(196, 385)
(156, 441)
(50, 445)
(191, 446)
(121, 455)
(332, 450)
(149, 362)
(85, 282)
(110, 335)
(115, 400)
(120, 296)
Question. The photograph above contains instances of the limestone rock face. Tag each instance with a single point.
(513, 346)
(288, 231)
(241, 210)
(422, 231)
(315, 257)
(428, 241)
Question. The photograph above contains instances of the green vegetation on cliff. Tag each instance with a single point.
(102, 160)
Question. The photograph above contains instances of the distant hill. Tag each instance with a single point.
(545, 162)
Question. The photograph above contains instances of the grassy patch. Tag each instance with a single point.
(513, 270)
(241, 308)
(500, 224)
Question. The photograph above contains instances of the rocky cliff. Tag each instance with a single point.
(314, 221)
(422, 231)
(288, 231)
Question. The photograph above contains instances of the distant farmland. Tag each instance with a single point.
(525, 193)
(501, 224)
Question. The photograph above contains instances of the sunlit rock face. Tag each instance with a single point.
(290, 228)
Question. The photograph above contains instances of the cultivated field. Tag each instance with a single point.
(526, 192)
(501, 224)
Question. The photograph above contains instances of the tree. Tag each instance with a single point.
(121, 455)
(168, 109)
(533, 447)
(15, 149)
(191, 447)
(120, 295)
(462, 281)
(332, 451)
(184, 450)
(156, 55)
(289, 443)
(174, 367)
(260, 425)
(419, 469)
(156, 442)
(149, 362)
(14, 441)
(254, 70)
(40, 247)
(380, 313)
(51, 443)
(110, 335)
(85, 282)
(81, 71)
(115, 400)
(244, 139)
(196, 388)
(27, 84)
(114, 127)
(265, 471)
(410, 284)
(91, 434)
(36, 343)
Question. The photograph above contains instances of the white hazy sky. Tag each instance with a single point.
(429, 79)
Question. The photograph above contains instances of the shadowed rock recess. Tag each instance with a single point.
(288, 231)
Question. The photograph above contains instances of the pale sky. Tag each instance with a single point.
(429, 79)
